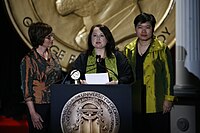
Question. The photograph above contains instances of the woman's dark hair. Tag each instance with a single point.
(37, 33)
(145, 17)
(110, 46)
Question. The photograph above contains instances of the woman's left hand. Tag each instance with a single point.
(167, 106)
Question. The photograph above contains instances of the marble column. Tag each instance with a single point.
(185, 114)
(187, 47)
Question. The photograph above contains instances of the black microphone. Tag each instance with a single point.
(99, 60)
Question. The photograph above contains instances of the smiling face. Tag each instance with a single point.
(99, 40)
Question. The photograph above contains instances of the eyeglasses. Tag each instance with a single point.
(49, 36)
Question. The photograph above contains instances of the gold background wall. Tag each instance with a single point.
(72, 19)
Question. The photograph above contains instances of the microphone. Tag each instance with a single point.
(99, 60)
(75, 75)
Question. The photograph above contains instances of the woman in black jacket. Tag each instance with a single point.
(102, 57)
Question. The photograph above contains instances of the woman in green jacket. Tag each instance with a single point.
(152, 64)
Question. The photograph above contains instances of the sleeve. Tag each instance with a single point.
(170, 76)
(26, 78)
(80, 65)
(125, 73)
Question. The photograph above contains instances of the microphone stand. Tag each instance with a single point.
(64, 80)
(99, 60)
(76, 82)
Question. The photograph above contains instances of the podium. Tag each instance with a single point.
(118, 96)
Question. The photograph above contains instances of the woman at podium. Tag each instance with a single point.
(102, 57)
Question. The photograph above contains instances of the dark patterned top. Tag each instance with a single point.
(37, 74)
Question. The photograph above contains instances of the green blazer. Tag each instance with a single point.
(158, 73)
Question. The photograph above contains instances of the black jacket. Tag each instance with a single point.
(125, 73)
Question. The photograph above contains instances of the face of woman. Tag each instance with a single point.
(98, 39)
(48, 41)
(144, 31)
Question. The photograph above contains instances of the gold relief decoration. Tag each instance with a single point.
(72, 20)
(89, 112)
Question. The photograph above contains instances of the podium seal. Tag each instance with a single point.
(89, 112)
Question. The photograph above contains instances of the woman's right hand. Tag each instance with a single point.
(83, 81)
(37, 120)
(112, 82)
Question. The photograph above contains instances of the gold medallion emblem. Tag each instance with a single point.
(89, 112)
(71, 21)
